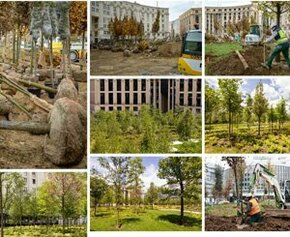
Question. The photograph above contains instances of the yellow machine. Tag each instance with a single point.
(190, 62)
(75, 50)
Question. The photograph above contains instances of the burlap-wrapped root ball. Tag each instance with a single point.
(67, 89)
(5, 106)
(67, 141)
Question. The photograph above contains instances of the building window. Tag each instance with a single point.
(102, 85)
(127, 85)
(110, 85)
(135, 99)
(127, 98)
(119, 108)
(198, 100)
(198, 85)
(111, 108)
(189, 99)
(143, 85)
(111, 100)
(135, 108)
(33, 181)
(119, 98)
(143, 98)
(181, 84)
(102, 98)
(119, 85)
(190, 85)
(135, 87)
(181, 99)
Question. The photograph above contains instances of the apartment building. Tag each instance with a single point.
(103, 11)
(131, 94)
(190, 20)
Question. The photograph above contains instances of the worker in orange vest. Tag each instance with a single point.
(253, 210)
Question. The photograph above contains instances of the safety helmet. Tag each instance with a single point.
(273, 25)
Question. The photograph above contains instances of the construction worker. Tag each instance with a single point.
(253, 210)
(282, 45)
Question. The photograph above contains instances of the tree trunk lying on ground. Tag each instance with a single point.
(32, 127)
(244, 62)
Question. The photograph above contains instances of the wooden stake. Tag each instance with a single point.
(245, 64)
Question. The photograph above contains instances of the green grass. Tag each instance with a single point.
(147, 220)
(246, 140)
(230, 209)
(41, 231)
(221, 49)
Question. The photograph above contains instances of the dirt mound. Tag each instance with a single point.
(169, 49)
(219, 223)
(231, 65)
(67, 138)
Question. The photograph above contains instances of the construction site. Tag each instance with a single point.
(247, 194)
(248, 39)
(133, 38)
(43, 119)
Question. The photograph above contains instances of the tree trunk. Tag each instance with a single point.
(181, 202)
(32, 56)
(51, 62)
(13, 46)
(259, 125)
(83, 52)
(95, 204)
(29, 126)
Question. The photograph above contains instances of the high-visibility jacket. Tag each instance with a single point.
(255, 207)
(281, 37)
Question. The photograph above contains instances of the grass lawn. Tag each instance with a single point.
(147, 220)
(230, 209)
(41, 231)
(246, 140)
(221, 49)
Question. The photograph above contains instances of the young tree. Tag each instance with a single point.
(248, 110)
(156, 25)
(281, 112)
(78, 24)
(179, 171)
(185, 125)
(230, 98)
(272, 117)
(211, 102)
(68, 189)
(98, 188)
(136, 168)
(260, 104)
(47, 203)
(218, 184)
(151, 195)
(117, 174)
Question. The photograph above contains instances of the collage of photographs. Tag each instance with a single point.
(144, 115)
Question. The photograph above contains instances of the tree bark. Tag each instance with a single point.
(32, 127)
(181, 202)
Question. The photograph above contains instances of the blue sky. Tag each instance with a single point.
(176, 8)
(274, 89)
(222, 3)
(150, 174)
(252, 160)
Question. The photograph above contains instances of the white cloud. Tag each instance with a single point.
(212, 82)
(150, 175)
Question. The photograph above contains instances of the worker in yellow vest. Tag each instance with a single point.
(253, 210)
(279, 36)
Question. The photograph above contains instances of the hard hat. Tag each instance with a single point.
(273, 25)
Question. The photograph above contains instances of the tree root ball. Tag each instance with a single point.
(67, 140)
(5, 106)
(67, 89)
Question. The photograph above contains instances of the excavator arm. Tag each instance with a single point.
(261, 171)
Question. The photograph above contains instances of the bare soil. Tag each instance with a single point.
(219, 223)
(105, 62)
(254, 56)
